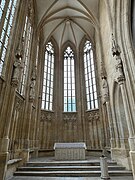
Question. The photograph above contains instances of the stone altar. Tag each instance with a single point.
(69, 151)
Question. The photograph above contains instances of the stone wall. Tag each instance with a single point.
(69, 128)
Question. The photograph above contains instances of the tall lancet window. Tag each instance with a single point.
(69, 81)
(47, 92)
(7, 12)
(27, 37)
(90, 80)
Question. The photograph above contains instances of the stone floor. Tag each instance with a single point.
(69, 178)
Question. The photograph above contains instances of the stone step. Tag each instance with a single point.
(68, 163)
(71, 173)
(68, 168)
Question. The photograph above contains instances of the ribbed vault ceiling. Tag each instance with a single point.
(67, 20)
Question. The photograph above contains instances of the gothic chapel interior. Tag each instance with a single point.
(67, 74)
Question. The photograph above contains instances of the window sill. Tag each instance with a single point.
(92, 110)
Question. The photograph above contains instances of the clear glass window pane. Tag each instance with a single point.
(96, 103)
(73, 100)
(65, 99)
(69, 107)
(74, 107)
(65, 107)
(65, 92)
(43, 104)
(2, 4)
(50, 105)
(43, 96)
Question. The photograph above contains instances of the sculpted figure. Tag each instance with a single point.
(105, 91)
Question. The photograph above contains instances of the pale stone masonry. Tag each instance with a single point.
(28, 131)
(70, 151)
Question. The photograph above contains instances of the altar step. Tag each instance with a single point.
(69, 169)
(68, 163)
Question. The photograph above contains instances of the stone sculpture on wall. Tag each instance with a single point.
(105, 90)
(104, 85)
(32, 85)
(119, 64)
(18, 64)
